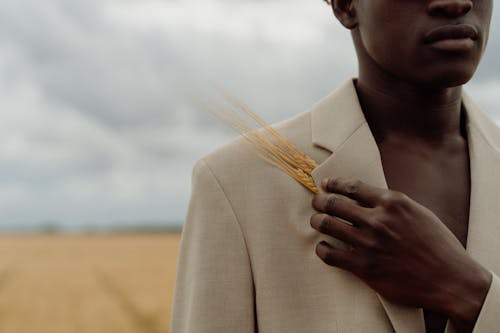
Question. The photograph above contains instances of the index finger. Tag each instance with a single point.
(355, 189)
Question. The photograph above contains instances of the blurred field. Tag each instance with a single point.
(95, 283)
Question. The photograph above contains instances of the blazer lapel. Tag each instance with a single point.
(339, 126)
(484, 212)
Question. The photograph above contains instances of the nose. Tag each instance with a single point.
(449, 8)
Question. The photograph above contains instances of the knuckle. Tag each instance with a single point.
(379, 227)
(373, 219)
(333, 183)
(386, 198)
(383, 232)
(379, 222)
(330, 202)
(353, 186)
(401, 199)
(394, 199)
(371, 244)
(325, 223)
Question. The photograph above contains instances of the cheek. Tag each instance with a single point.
(485, 11)
(388, 34)
(392, 46)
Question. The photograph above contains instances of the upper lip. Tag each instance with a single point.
(456, 31)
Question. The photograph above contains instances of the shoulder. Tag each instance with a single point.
(238, 158)
(483, 124)
(325, 123)
(491, 131)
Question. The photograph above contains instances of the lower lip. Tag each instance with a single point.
(453, 45)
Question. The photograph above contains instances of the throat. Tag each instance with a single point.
(438, 179)
(425, 115)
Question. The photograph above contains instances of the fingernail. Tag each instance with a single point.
(324, 183)
(315, 200)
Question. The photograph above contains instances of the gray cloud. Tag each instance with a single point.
(100, 120)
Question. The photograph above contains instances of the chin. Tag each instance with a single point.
(449, 80)
(446, 76)
(450, 72)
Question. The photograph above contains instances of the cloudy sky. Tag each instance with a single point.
(98, 119)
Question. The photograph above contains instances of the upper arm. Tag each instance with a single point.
(214, 286)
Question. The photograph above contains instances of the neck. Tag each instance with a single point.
(394, 108)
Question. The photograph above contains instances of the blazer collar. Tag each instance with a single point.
(339, 115)
(336, 117)
(339, 127)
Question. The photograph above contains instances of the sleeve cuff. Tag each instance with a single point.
(488, 320)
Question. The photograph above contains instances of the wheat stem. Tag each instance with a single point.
(270, 144)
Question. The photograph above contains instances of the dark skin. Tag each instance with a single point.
(412, 102)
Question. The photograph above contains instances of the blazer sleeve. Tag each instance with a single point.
(214, 287)
(489, 317)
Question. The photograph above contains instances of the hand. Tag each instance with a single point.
(399, 248)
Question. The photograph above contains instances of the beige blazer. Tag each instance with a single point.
(247, 259)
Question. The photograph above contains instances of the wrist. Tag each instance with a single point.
(469, 292)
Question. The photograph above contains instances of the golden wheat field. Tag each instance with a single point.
(87, 283)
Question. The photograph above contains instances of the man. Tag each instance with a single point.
(406, 160)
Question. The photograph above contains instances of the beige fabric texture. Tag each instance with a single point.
(247, 260)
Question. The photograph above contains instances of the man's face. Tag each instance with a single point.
(413, 41)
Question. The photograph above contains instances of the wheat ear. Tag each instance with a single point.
(270, 144)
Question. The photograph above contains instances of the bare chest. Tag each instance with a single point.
(441, 182)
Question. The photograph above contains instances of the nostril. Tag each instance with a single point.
(450, 8)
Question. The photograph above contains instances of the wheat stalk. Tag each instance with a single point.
(270, 144)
